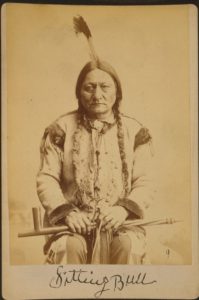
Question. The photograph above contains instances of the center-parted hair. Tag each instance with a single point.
(103, 66)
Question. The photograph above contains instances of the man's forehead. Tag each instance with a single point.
(98, 75)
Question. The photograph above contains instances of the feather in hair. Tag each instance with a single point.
(81, 26)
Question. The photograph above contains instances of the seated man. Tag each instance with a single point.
(94, 175)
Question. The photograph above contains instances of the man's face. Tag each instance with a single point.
(98, 93)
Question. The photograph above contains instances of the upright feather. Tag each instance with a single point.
(80, 26)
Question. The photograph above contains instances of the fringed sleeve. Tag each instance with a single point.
(142, 185)
(49, 176)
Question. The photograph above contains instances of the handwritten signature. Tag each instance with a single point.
(115, 282)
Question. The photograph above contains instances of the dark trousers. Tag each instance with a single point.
(77, 249)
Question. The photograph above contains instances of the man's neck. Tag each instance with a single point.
(101, 117)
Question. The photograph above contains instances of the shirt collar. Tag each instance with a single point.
(99, 124)
(109, 120)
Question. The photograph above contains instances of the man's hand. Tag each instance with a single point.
(79, 222)
(113, 217)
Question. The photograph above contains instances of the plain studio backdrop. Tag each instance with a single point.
(149, 48)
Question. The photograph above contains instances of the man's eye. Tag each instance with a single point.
(89, 88)
(105, 87)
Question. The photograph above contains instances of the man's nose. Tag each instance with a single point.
(97, 93)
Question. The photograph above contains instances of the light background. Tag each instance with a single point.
(149, 48)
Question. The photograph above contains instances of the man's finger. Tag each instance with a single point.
(77, 226)
(116, 225)
(82, 225)
(86, 220)
(108, 219)
(109, 225)
(71, 226)
(104, 213)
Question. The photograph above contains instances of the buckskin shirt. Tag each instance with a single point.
(81, 169)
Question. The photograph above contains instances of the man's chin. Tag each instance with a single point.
(99, 109)
(97, 113)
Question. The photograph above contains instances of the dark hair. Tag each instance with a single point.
(104, 66)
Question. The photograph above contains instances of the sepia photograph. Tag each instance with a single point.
(99, 151)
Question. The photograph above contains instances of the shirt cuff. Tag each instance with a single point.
(58, 215)
(135, 210)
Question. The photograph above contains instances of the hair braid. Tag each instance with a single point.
(76, 146)
(120, 135)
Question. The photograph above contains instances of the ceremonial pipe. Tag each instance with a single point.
(39, 230)
(45, 231)
(36, 213)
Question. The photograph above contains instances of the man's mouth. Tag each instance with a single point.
(97, 104)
